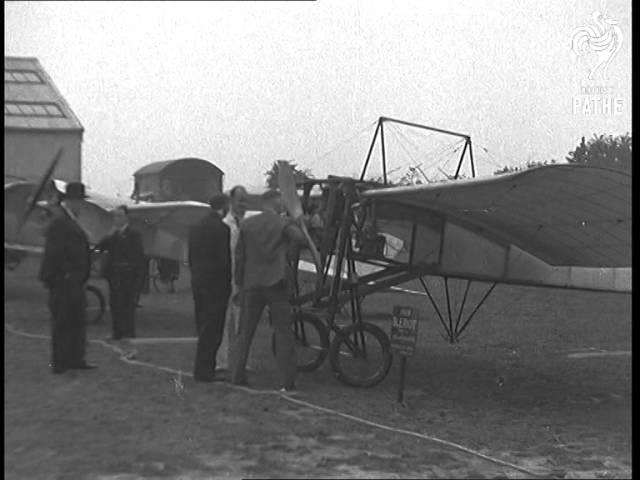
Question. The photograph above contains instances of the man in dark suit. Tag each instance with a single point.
(262, 276)
(124, 269)
(64, 271)
(210, 264)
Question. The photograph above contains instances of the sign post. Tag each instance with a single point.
(403, 368)
(404, 336)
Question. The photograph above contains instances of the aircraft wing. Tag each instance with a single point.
(164, 226)
(93, 215)
(558, 225)
(568, 215)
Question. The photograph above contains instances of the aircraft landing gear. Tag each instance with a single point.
(311, 339)
(360, 353)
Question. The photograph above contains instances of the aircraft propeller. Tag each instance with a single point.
(287, 184)
(46, 178)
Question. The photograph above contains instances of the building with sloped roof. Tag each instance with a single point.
(37, 122)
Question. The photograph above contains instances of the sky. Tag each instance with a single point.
(242, 84)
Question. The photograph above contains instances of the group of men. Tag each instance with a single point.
(238, 267)
(66, 267)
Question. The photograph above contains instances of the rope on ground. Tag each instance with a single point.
(418, 435)
(127, 357)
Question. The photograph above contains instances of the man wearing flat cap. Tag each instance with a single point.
(64, 271)
(210, 264)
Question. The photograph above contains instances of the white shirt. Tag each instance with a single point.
(234, 235)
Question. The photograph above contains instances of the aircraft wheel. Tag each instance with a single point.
(96, 304)
(312, 341)
(164, 286)
(360, 355)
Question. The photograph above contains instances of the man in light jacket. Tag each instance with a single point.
(238, 198)
(262, 276)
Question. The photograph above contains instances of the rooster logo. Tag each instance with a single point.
(604, 39)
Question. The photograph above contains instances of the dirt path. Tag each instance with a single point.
(131, 422)
(552, 414)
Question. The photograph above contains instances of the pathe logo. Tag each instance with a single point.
(601, 40)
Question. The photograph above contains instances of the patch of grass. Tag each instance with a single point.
(570, 414)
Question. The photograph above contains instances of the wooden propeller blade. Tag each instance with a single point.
(46, 178)
(289, 192)
(288, 189)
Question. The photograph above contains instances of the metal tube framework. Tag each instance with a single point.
(380, 129)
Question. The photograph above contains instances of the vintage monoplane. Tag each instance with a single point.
(563, 226)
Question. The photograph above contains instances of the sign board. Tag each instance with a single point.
(404, 331)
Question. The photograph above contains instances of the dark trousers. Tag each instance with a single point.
(67, 303)
(252, 305)
(123, 292)
(210, 298)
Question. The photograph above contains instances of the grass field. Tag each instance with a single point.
(565, 417)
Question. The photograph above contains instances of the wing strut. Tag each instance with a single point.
(454, 331)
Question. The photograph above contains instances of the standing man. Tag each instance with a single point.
(238, 197)
(64, 271)
(262, 277)
(124, 270)
(210, 263)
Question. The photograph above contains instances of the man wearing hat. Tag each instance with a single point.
(210, 264)
(64, 271)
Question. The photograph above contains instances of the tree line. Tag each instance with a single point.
(599, 151)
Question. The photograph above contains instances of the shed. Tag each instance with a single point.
(177, 180)
(37, 122)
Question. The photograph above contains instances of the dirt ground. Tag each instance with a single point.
(509, 390)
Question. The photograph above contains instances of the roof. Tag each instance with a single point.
(158, 167)
(31, 99)
(566, 215)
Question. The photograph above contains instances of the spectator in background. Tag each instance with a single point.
(168, 271)
(316, 225)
